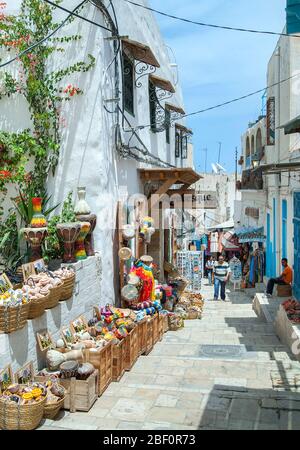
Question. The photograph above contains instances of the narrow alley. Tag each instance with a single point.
(216, 373)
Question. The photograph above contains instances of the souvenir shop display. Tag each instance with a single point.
(253, 264)
(22, 406)
(14, 310)
(35, 237)
(43, 285)
(292, 308)
(190, 266)
(68, 234)
(147, 229)
(128, 232)
(236, 269)
(81, 207)
(80, 253)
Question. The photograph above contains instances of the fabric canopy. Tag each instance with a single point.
(222, 226)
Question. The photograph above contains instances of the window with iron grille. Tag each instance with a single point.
(128, 90)
(167, 125)
(184, 146)
(177, 144)
(153, 105)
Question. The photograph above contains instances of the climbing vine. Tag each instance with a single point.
(44, 91)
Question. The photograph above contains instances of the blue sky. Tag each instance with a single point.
(217, 65)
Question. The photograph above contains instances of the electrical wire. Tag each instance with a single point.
(63, 23)
(76, 15)
(203, 24)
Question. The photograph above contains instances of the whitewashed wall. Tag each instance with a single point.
(88, 156)
(21, 346)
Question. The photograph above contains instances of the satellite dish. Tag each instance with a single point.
(214, 168)
(221, 168)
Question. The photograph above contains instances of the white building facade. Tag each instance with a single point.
(270, 183)
(124, 121)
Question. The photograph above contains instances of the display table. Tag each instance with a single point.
(21, 346)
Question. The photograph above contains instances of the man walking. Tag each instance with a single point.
(222, 273)
(286, 278)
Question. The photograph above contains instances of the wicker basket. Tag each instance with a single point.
(37, 307)
(193, 315)
(20, 417)
(54, 296)
(51, 410)
(142, 336)
(13, 318)
(68, 288)
(131, 349)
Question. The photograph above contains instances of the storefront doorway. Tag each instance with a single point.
(297, 245)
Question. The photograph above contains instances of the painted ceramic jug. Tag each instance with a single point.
(81, 206)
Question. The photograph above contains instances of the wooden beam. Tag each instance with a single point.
(181, 191)
(161, 191)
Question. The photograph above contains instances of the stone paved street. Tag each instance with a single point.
(214, 374)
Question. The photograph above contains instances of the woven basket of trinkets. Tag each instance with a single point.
(23, 412)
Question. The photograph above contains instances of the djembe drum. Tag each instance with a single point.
(68, 233)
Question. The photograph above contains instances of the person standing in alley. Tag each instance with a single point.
(222, 274)
(286, 278)
(209, 267)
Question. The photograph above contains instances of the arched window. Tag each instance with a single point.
(259, 146)
(252, 145)
(247, 147)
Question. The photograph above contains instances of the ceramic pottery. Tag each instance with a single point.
(68, 233)
(82, 206)
(38, 219)
(35, 238)
(80, 252)
(89, 240)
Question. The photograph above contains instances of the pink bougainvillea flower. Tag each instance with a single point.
(4, 174)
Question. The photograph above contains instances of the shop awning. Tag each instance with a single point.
(161, 83)
(293, 126)
(250, 234)
(168, 178)
(223, 226)
(186, 176)
(228, 242)
(140, 52)
(175, 108)
(183, 128)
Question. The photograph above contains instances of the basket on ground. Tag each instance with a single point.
(20, 417)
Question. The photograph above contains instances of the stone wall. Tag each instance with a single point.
(20, 347)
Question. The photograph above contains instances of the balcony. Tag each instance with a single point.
(251, 180)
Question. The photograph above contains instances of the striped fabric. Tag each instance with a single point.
(221, 271)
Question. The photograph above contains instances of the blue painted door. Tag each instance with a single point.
(284, 229)
(269, 248)
(274, 256)
(297, 245)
